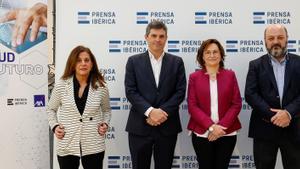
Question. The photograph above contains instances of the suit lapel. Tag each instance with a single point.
(89, 99)
(269, 68)
(287, 74)
(70, 93)
(163, 71)
(148, 69)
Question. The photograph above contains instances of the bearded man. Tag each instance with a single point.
(273, 91)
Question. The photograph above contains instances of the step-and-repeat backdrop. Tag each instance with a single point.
(115, 29)
(24, 142)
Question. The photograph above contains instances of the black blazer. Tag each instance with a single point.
(142, 93)
(261, 93)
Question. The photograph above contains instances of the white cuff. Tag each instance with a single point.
(289, 114)
(148, 111)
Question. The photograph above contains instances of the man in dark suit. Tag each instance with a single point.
(273, 91)
(155, 85)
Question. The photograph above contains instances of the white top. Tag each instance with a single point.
(214, 100)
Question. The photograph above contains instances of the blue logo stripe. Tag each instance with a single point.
(114, 99)
(292, 41)
(114, 50)
(142, 13)
(173, 50)
(200, 22)
(115, 41)
(83, 22)
(259, 22)
(232, 41)
(200, 13)
(83, 13)
(175, 166)
(113, 166)
(233, 166)
(114, 157)
(142, 22)
(115, 107)
(173, 41)
(235, 157)
(292, 50)
(258, 13)
(231, 50)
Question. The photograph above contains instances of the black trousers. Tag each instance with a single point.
(215, 154)
(93, 161)
(265, 153)
(141, 148)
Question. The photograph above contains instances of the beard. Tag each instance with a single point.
(277, 51)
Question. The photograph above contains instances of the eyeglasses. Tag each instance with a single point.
(214, 52)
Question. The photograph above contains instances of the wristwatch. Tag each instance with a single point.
(211, 129)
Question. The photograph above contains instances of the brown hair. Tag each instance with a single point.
(156, 24)
(95, 75)
(202, 48)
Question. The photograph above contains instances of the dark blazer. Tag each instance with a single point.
(229, 101)
(142, 93)
(261, 93)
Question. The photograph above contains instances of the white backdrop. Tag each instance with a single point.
(114, 30)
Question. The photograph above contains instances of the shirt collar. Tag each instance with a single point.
(285, 58)
(153, 58)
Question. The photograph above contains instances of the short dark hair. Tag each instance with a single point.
(156, 24)
(203, 46)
